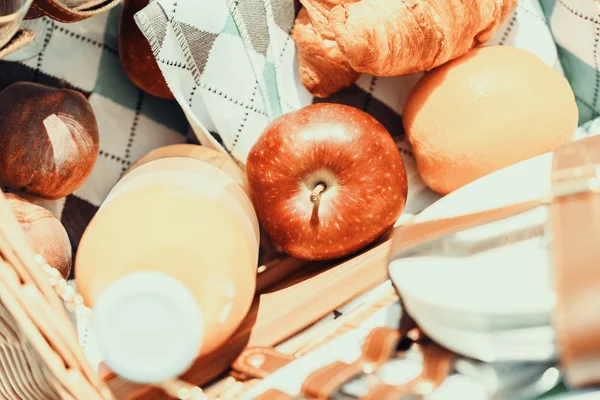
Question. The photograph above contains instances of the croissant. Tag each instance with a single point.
(338, 40)
(322, 64)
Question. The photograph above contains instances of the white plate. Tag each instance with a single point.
(513, 335)
(534, 344)
(513, 280)
(494, 347)
(509, 281)
(477, 322)
(523, 181)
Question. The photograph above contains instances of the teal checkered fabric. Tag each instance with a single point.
(84, 57)
(575, 27)
(241, 71)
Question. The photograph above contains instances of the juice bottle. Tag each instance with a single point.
(168, 263)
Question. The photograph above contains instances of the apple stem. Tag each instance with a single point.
(315, 195)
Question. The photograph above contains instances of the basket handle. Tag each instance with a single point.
(60, 12)
(21, 39)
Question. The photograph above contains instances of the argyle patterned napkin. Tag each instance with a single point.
(232, 67)
(575, 26)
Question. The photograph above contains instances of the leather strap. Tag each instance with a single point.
(378, 347)
(21, 39)
(412, 237)
(324, 382)
(437, 365)
(383, 391)
(273, 394)
(59, 12)
(259, 362)
(575, 223)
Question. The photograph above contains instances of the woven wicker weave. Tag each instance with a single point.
(37, 338)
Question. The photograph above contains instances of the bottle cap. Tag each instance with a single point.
(148, 327)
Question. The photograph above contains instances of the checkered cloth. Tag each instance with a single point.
(84, 57)
(232, 66)
(575, 26)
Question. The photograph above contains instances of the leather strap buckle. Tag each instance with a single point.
(437, 366)
(379, 347)
(259, 362)
(575, 180)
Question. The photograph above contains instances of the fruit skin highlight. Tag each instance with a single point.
(494, 107)
(326, 180)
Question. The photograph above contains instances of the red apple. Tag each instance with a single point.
(326, 180)
(136, 54)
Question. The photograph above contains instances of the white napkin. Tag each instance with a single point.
(232, 66)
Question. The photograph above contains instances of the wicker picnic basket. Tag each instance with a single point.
(38, 334)
(292, 295)
(39, 360)
(39, 353)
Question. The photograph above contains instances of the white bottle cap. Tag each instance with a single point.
(148, 327)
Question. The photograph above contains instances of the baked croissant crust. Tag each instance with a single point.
(323, 67)
(338, 40)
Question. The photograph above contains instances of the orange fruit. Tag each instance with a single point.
(491, 108)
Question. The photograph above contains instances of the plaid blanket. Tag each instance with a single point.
(575, 26)
(229, 103)
(84, 57)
